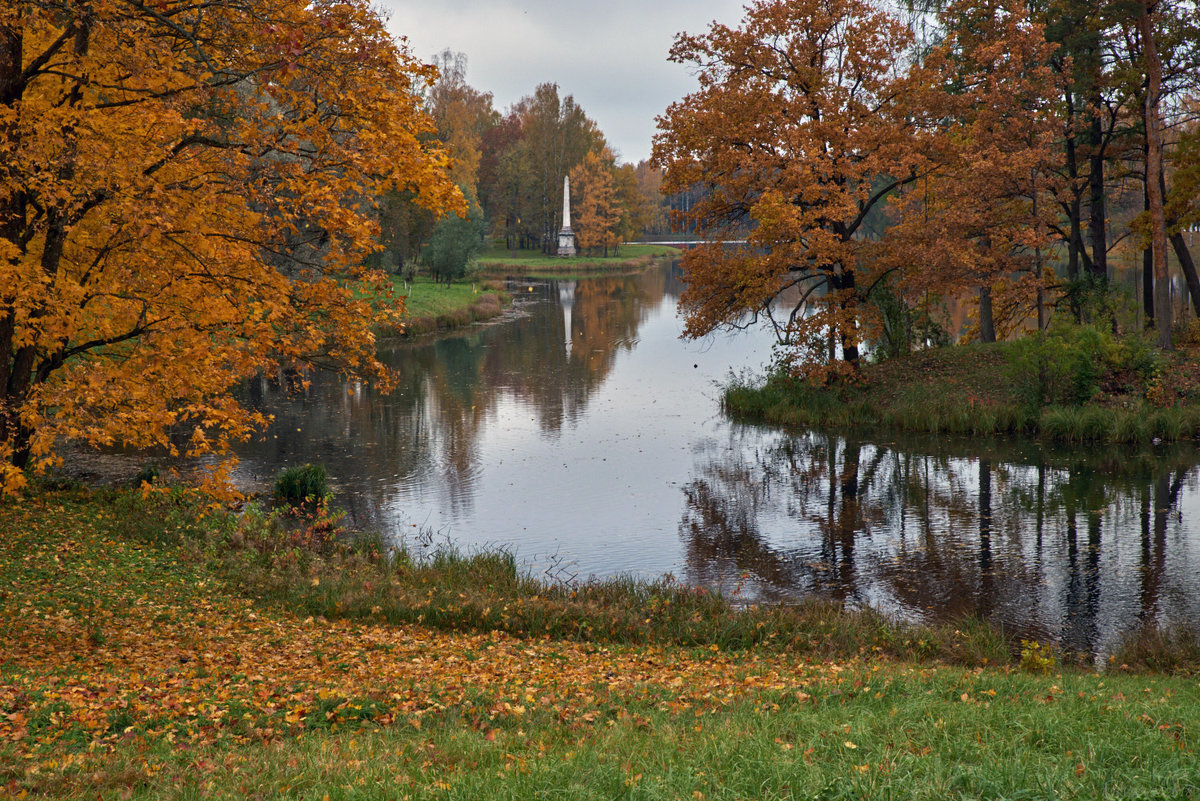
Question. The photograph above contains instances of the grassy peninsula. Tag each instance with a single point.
(1071, 384)
(432, 306)
(533, 263)
(155, 648)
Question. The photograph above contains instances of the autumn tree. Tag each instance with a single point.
(593, 207)
(462, 115)
(1163, 69)
(555, 135)
(649, 185)
(634, 210)
(185, 200)
(808, 118)
(1184, 199)
(976, 220)
(505, 182)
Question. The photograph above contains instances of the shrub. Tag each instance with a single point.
(306, 485)
(149, 474)
(1037, 657)
(1066, 365)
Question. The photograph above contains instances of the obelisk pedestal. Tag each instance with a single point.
(566, 237)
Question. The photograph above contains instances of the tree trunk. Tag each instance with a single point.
(1188, 266)
(1037, 260)
(987, 323)
(12, 218)
(1074, 212)
(1154, 179)
(1097, 225)
(847, 324)
(1147, 264)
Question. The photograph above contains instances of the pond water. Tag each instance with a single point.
(586, 437)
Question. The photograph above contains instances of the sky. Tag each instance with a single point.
(611, 55)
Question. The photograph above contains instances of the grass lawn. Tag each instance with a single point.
(631, 257)
(146, 653)
(432, 306)
(427, 298)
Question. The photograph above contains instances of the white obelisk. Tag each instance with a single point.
(566, 237)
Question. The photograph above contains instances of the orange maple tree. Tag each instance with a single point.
(811, 121)
(185, 199)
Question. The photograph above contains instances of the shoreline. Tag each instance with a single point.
(983, 390)
(493, 304)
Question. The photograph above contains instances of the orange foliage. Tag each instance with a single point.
(185, 200)
(974, 220)
(593, 210)
(805, 121)
(812, 119)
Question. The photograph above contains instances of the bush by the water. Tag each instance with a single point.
(1066, 365)
(305, 485)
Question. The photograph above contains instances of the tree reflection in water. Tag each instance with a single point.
(424, 438)
(1074, 546)
(585, 426)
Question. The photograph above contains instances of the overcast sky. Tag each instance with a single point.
(610, 54)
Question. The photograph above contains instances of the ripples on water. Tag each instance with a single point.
(587, 438)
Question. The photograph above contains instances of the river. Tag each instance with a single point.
(587, 438)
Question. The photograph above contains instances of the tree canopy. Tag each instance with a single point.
(836, 159)
(186, 199)
(807, 118)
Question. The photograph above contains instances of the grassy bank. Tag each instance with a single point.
(147, 653)
(535, 263)
(432, 306)
(1073, 386)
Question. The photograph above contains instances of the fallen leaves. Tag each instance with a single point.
(180, 660)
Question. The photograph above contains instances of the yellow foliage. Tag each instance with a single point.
(185, 205)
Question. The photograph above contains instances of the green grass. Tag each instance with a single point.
(630, 257)
(971, 390)
(892, 733)
(432, 306)
(131, 666)
(425, 298)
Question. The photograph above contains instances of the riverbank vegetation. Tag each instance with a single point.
(1070, 384)
(431, 305)
(153, 648)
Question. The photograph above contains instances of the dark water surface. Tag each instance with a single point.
(588, 438)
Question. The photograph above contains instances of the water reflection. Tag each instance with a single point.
(423, 444)
(1078, 547)
(587, 432)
